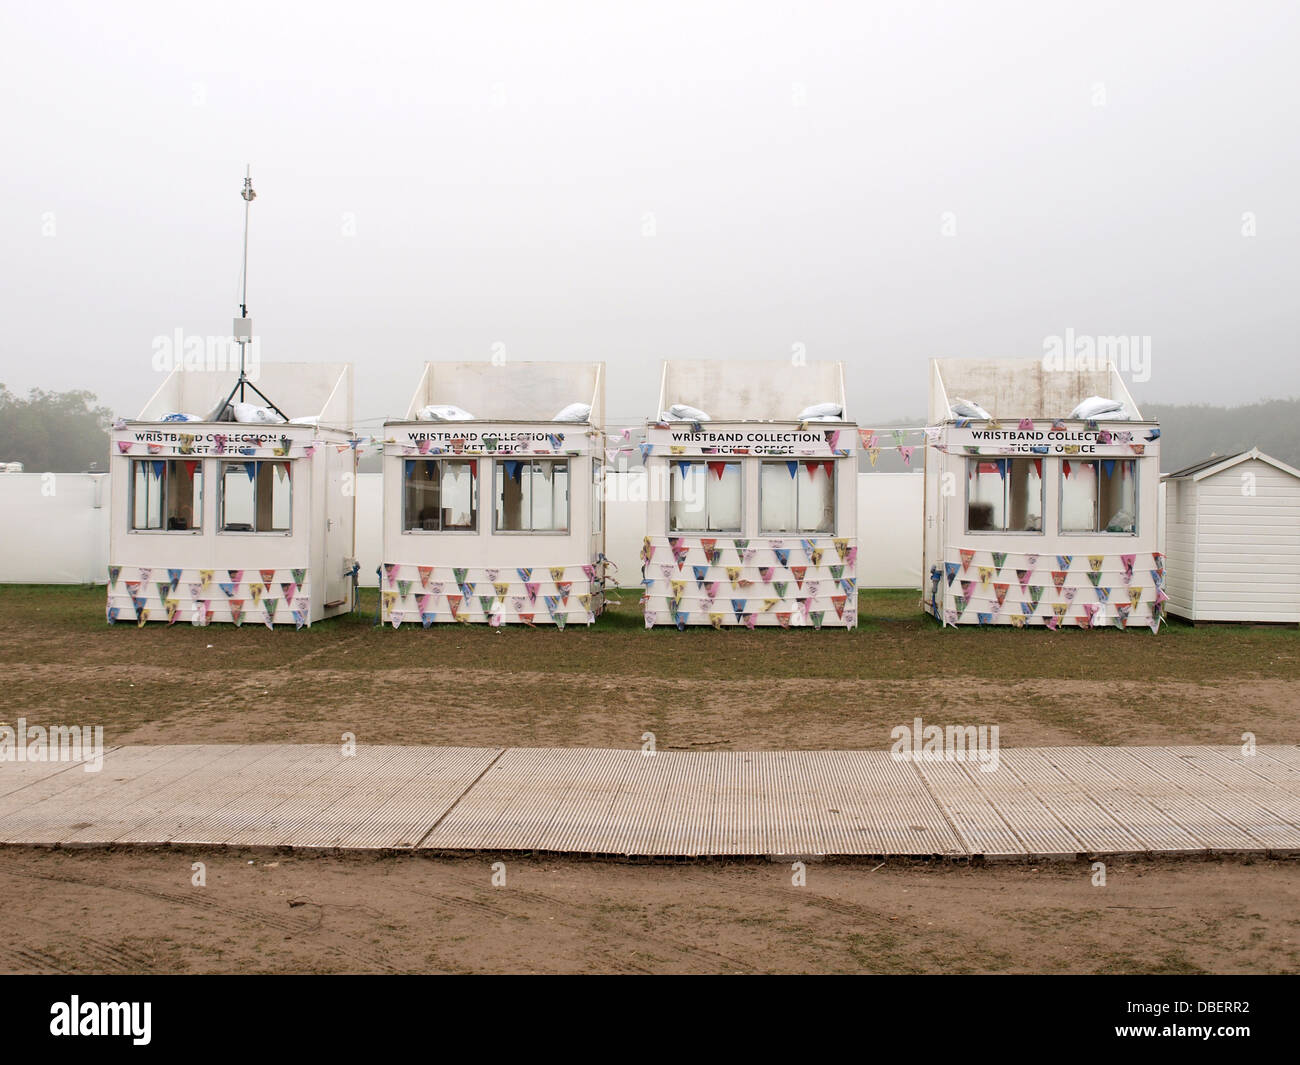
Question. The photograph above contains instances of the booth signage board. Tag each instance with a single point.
(230, 439)
(1075, 438)
(479, 438)
(795, 440)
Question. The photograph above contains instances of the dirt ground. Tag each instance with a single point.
(138, 911)
(123, 910)
(606, 686)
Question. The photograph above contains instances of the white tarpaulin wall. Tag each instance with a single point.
(63, 538)
(511, 391)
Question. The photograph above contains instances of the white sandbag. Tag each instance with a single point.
(964, 408)
(178, 416)
(682, 412)
(574, 412)
(443, 412)
(311, 419)
(822, 412)
(250, 413)
(1100, 407)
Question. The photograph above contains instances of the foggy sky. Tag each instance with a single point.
(633, 182)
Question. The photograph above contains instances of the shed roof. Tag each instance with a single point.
(1212, 466)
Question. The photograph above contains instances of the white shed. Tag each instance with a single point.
(1034, 516)
(752, 514)
(1232, 536)
(493, 505)
(217, 520)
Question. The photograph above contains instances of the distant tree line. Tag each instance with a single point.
(1194, 432)
(58, 432)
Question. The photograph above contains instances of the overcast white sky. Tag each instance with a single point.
(503, 162)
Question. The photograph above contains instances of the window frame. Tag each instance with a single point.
(222, 464)
(1006, 497)
(477, 496)
(732, 460)
(131, 497)
(835, 496)
(498, 470)
(1060, 498)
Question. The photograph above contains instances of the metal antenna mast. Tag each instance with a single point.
(243, 328)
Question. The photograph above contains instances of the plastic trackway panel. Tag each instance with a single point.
(1288, 758)
(976, 820)
(1097, 831)
(58, 806)
(1224, 782)
(15, 776)
(1041, 824)
(1151, 829)
(157, 790)
(1179, 801)
(217, 794)
(380, 797)
(692, 803)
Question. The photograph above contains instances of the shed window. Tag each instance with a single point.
(1099, 496)
(256, 496)
(704, 496)
(1004, 495)
(532, 495)
(797, 496)
(166, 495)
(440, 495)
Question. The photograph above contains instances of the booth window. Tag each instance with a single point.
(256, 496)
(1004, 495)
(440, 495)
(704, 496)
(166, 495)
(1099, 496)
(532, 495)
(598, 472)
(797, 496)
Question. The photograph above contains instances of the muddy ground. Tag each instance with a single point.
(138, 911)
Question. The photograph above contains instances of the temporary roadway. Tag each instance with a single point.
(1031, 802)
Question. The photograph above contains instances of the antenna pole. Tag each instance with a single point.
(248, 196)
(244, 332)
